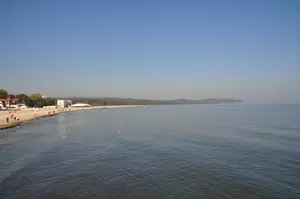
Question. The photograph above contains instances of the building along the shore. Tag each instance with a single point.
(81, 105)
(64, 103)
(8, 102)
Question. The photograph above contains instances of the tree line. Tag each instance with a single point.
(130, 101)
(36, 100)
(33, 100)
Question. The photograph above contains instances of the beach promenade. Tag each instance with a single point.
(36, 113)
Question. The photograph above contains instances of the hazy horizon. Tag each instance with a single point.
(152, 49)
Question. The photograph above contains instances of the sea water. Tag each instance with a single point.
(186, 151)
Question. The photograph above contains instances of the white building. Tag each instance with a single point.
(80, 105)
(22, 106)
(64, 103)
(2, 105)
(19, 106)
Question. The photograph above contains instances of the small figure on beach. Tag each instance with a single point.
(18, 118)
(7, 120)
(12, 116)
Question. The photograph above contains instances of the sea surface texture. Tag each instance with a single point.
(186, 151)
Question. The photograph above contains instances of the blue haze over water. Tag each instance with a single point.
(187, 151)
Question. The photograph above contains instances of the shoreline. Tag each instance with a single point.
(32, 114)
(18, 123)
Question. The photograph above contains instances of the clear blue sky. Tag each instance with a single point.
(163, 49)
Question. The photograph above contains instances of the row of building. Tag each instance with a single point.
(68, 103)
(14, 103)
(4, 103)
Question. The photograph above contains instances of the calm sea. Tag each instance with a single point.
(187, 151)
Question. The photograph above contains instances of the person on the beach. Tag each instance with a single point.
(18, 118)
(7, 120)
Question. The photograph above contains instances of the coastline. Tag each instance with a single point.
(31, 114)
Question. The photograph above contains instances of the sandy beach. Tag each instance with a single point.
(36, 113)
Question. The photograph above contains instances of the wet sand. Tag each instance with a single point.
(36, 113)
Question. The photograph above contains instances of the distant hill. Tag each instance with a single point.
(130, 101)
(208, 101)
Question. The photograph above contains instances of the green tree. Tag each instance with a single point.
(40, 103)
(23, 98)
(36, 97)
(50, 101)
(3, 94)
(11, 96)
